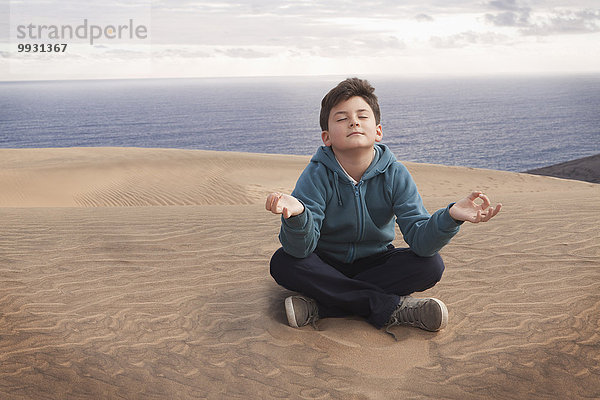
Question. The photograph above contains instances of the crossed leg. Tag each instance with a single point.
(369, 288)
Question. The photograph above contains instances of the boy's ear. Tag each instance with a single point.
(325, 138)
(379, 135)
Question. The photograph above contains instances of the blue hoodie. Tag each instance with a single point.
(347, 222)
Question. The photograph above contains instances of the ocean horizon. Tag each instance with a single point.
(507, 123)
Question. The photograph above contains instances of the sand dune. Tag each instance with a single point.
(143, 274)
(96, 177)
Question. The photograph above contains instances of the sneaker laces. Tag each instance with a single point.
(403, 315)
(313, 312)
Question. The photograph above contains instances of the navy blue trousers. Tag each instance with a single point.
(370, 287)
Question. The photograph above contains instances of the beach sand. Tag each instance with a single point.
(143, 274)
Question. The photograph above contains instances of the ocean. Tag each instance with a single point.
(504, 123)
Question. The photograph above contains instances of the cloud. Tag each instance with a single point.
(233, 37)
(510, 5)
(209, 52)
(509, 18)
(423, 18)
(468, 38)
(241, 52)
(566, 22)
(302, 9)
(125, 54)
(511, 15)
(543, 23)
(377, 43)
(353, 46)
(181, 53)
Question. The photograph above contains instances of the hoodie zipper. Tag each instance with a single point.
(360, 217)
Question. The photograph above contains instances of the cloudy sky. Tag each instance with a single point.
(203, 38)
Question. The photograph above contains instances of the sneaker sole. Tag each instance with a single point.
(289, 311)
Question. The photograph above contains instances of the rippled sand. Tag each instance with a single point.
(143, 274)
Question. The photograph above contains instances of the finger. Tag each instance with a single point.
(477, 217)
(275, 207)
(286, 213)
(486, 201)
(474, 195)
(272, 201)
(269, 201)
(489, 214)
(497, 209)
(492, 212)
(278, 204)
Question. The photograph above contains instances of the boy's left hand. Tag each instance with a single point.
(467, 210)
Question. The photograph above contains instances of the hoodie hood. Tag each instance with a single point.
(381, 162)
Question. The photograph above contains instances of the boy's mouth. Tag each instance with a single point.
(354, 133)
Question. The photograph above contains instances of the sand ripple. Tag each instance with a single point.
(177, 302)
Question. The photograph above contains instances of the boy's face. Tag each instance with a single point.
(352, 126)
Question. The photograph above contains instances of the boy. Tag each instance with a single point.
(338, 225)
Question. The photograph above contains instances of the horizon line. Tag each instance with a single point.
(541, 74)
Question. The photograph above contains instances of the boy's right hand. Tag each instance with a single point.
(288, 206)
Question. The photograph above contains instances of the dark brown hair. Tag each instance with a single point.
(343, 91)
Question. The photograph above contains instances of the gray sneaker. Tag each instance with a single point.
(428, 313)
(301, 311)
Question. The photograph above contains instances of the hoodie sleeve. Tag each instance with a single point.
(300, 234)
(425, 234)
